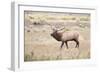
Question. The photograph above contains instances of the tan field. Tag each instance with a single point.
(40, 45)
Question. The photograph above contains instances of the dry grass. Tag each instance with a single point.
(40, 46)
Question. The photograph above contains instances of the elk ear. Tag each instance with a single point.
(54, 29)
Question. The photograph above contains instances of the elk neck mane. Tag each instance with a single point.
(57, 35)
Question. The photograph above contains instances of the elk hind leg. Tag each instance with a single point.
(77, 43)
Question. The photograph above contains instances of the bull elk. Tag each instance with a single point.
(65, 36)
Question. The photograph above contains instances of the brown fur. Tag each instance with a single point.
(64, 37)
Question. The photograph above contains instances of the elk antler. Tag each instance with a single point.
(61, 28)
(56, 27)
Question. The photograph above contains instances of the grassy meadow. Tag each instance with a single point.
(40, 46)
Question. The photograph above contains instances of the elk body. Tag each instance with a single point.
(65, 36)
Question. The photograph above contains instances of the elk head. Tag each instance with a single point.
(56, 34)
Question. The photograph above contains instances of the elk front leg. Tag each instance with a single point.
(62, 45)
(66, 44)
